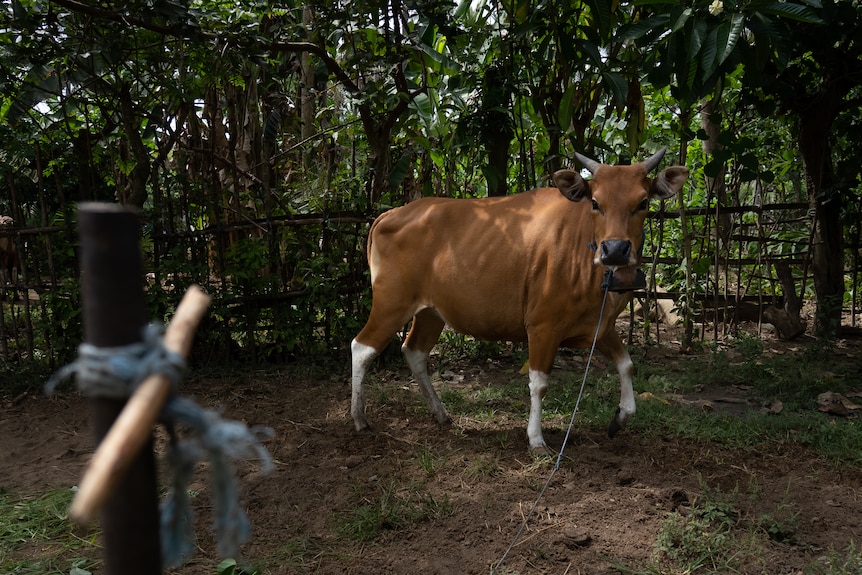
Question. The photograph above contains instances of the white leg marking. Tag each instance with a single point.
(362, 355)
(625, 367)
(538, 387)
(418, 362)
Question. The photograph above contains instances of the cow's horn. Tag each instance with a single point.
(651, 162)
(588, 163)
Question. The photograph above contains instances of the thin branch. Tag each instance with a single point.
(334, 67)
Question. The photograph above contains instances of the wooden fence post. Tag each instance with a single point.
(114, 315)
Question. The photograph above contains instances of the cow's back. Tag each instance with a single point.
(486, 264)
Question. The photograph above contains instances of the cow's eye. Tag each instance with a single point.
(643, 205)
(596, 206)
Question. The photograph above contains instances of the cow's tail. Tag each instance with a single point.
(368, 244)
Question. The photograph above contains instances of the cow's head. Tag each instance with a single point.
(620, 198)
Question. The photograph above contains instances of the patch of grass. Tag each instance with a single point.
(381, 390)
(512, 395)
(705, 539)
(299, 552)
(483, 466)
(793, 379)
(457, 401)
(459, 345)
(838, 562)
(715, 536)
(839, 440)
(389, 510)
(749, 346)
(597, 405)
(42, 521)
(497, 441)
(664, 378)
(711, 537)
(428, 461)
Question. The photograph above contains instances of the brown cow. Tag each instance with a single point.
(514, 268)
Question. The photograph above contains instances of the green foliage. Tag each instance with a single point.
(715, 535)
(23, 377)
(708, 40)
(782, 530)
(213, 116)
(62, 322)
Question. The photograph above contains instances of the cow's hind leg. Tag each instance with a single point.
(613, 348)
(424, 333)
(382, 325)
(361, 357)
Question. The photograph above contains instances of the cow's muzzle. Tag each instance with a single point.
(615, 252)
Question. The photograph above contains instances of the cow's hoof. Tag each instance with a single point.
(444, 420)
(540, 451)
(615, 425)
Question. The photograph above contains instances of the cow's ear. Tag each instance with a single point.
(669, 182)
(572, 185)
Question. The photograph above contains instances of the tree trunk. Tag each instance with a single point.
(378, 134)
(496, 128)
(136, 185)
(306, 90)
(786, 321)
(815, 125)
(498, 157)
(717, 184)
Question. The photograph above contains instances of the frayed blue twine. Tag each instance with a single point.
(115, 372)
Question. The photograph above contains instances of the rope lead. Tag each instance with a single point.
(605, 284)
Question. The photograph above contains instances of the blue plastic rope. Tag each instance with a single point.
(115, 372)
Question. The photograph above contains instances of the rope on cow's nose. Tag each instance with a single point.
(605, 284)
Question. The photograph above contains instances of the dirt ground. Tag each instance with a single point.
(603, 507)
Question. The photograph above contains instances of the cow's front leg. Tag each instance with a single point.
(538, 388)
(614, 348)
(543, 346)
(426, 329)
